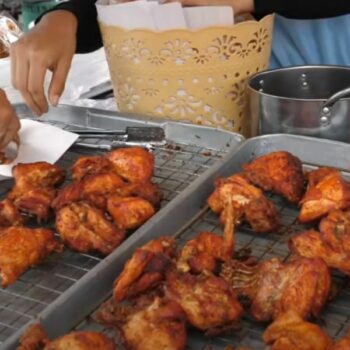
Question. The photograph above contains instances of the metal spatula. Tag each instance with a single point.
(132, 136)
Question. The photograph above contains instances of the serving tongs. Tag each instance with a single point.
(143, 136)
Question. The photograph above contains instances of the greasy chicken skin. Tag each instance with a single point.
(86, 229)
(208, 301)
(129, 213)
(279, 172)
(332, 243)
(153, 324)
(327, 191)
(90, 165)
(22, 248)
(35, 338)
(291, 332)
(249, 203)
(133, 164)
(343, 343)
(274, 288)
(9, 215)
(145, 269)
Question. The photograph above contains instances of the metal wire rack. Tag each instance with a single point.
(335, 318)
(176, 166)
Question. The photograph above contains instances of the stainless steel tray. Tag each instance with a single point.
(191, 151)
(185, 217)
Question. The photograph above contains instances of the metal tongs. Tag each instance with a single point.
(143, 136)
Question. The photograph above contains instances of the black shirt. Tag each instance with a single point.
(89, 37)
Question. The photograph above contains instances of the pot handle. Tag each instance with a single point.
(326, 112)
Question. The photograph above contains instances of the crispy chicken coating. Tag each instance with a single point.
(332, 243)
(146, 268)
(22, 248)
(291, 332)
(134, 164)
(274, 288)
(35, 338)
(9, 215)
(249, 203)
(86, 229)
(327, 191)
(280, 172)
(208, 301)
(129, 213)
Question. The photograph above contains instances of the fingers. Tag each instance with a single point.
(11, 133)
(9, 123)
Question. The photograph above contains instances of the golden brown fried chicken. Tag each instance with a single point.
(343, 343)
(22, 248)
(274, 287)
(332, 243)
(92, 165)
(327, 191)
(291, 332)
(68, 194)
(9, 215)
(129, 213)
(208, 301)
(249, 203)
(157, 323)
(35, 338)
(86, 229)
(280, 172)
(134, 164)
(145, 269)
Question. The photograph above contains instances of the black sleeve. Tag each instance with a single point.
(302, 9)
(88, 35)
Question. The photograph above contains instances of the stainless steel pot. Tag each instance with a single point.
(304, 100)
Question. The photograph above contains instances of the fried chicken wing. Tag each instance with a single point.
(9, 215)
(249, 203)
(86, 166)
(22, 248)
(291, 332)
(280, 172)
(129, 212)
(68, 194)
(86, 229)
(332, 243)
(274, 287)
(208, 301)
(145, 269)
(151, 324)
(327, 191)
(134, 164)
(35, 338)
(343, 343)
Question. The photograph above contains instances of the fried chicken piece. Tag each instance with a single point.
(274, 288)
(9, 215)
(68, 194)
(134, 164)
(153, 323)
(129, 213)
(291, 332)
(208, 301)
(343, 343)
(313, 177)
(332, 243)
(22, 248)
(145, 269)
(249, 203)
(86, 229)
(327, 191)
(91, 165)
(35, 338)
(280, 172)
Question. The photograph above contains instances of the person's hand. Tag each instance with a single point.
(239, 6)
(50, 45)
(9, 123)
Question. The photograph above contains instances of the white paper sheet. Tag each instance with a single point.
(206, 16)
(39, 142)
(169, 16)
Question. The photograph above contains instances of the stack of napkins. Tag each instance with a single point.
(143, 14)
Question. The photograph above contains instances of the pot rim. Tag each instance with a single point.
(295, 68)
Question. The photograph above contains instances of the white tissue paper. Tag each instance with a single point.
(39, 142)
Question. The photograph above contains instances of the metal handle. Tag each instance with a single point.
(326, 112)
(99, 132)
(92, 146)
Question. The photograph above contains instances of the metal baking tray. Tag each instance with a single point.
(191, 151)
(186, 216)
